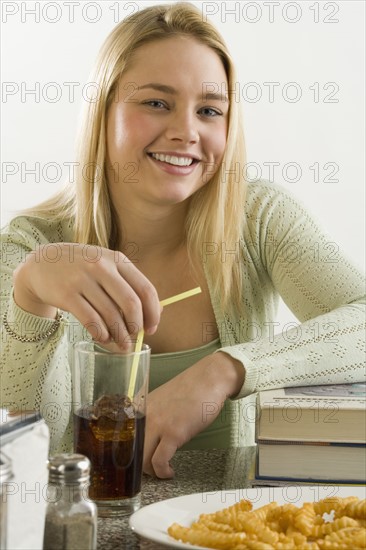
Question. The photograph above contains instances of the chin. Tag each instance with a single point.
(176, 196)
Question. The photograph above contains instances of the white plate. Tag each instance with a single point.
(151, 522)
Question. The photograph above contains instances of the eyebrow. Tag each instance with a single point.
(170, 90)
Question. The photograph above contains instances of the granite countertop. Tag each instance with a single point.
(195, 471)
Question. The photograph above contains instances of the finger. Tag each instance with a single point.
(148, 469)
(90, 319)
(150, 445)
(126, 301)
(164, 452)
(144, 289)
(110, 313)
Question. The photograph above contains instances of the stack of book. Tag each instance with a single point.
(311, 434)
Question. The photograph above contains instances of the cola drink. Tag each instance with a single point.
(111, 434)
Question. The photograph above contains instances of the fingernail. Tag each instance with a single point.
(151, 330)
(126, 348)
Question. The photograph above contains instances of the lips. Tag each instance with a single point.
(178, 164)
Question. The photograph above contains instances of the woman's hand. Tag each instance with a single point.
(110, 297)
(186, 405)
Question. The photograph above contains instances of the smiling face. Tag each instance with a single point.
(167, 126)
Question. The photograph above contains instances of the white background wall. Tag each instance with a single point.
(301, 81)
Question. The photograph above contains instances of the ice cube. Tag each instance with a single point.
(113, 418)
(115, 407)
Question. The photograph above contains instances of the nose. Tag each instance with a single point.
(183, 126)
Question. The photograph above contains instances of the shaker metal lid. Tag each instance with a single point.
(68, 468)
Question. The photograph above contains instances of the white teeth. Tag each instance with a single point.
(177, 161)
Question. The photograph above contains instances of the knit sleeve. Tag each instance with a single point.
(34, 375)
(320, 286)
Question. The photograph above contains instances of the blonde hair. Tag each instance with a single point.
(215, 221)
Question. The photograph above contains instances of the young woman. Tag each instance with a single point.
(157, 209)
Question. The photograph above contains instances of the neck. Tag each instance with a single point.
(152, 232)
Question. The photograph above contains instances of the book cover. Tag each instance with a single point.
(316, 461)
(334, 413)
(330, 484)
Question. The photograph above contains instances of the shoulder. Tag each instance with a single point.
(39, 230)
(270, 204)
(262, 194)
(277, 221)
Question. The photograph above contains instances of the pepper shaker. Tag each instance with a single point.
(71, 518)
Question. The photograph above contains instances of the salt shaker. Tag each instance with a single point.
(71, 518)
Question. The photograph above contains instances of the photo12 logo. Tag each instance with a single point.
(272, 12)
(70, 12)
(272, 91)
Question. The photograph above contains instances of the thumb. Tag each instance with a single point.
(160, 460)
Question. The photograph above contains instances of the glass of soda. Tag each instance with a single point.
(109, 413)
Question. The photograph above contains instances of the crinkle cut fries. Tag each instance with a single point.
(329, 524)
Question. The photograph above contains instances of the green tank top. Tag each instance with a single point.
(164, 366)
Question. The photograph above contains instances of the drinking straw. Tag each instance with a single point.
(140, 336)
(181, 296)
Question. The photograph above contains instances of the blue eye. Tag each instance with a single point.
(209, 112)
(156, 103)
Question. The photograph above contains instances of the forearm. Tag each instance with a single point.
(229, 372)
(35, 375)
(325, 350)
(22, 291)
